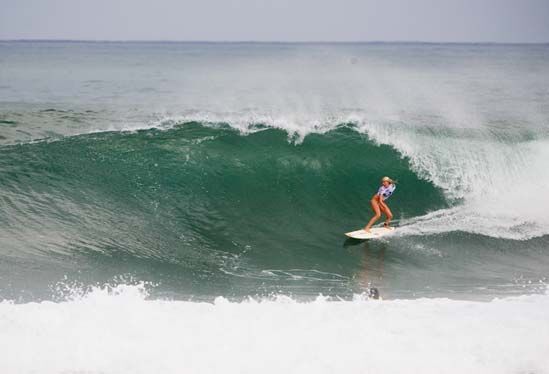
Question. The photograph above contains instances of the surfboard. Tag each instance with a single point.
(376, 232)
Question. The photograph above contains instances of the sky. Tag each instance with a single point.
(503, 21)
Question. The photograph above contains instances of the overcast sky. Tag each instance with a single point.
(277, 20)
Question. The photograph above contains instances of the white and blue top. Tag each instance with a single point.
(386, 192)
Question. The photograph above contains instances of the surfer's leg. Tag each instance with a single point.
(375, 208)
(388, 214)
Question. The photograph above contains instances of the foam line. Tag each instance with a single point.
(119, 331)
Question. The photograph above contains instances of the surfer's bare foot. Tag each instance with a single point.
(386, 225)
(367, 229)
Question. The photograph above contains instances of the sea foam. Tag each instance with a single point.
(118, 330)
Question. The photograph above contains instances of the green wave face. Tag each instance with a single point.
(194, 197)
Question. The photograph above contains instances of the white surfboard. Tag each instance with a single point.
(376, 232)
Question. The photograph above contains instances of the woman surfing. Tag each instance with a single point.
(379, 205)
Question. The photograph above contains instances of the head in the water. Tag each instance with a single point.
(379, 204)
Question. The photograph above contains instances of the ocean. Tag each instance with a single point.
(180, 207)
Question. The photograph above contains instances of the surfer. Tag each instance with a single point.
(379, 205)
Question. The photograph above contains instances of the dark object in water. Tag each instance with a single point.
(373, 293)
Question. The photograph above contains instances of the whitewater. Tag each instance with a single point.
(116, 330)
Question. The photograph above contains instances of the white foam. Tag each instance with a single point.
(499, 189)
(119, 331)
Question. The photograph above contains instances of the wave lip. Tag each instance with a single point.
(119, 330)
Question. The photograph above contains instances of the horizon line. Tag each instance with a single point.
(265, 41)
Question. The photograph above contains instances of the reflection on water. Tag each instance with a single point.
(370, 277)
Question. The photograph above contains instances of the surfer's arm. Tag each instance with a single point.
(381, 202)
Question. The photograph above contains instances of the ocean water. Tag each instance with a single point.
(169, 207)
